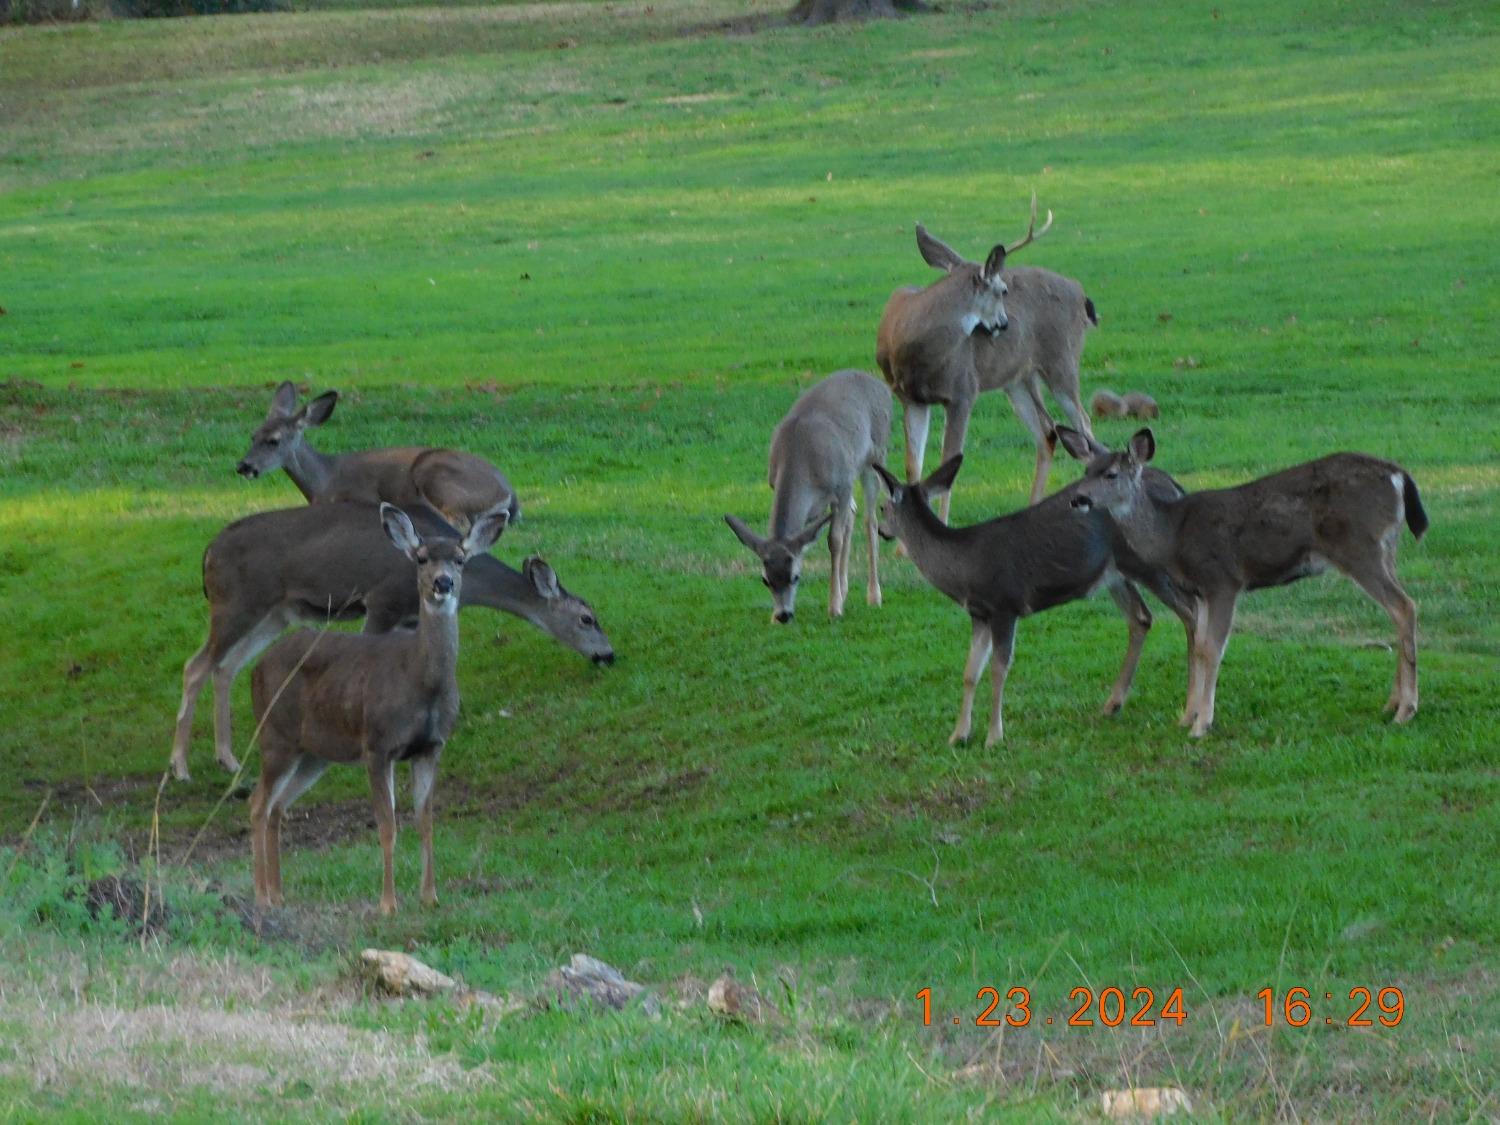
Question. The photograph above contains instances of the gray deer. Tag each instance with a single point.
(332, 561)
(1344, 510)
(1008, 568)
(831, 437)
(365, 699)
(982, 327)
(459, 485)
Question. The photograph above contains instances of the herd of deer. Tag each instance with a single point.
(401, 537)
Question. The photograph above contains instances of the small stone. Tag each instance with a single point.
(400, 974)
(587, 978)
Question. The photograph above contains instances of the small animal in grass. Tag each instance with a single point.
(829, 440)
(459, 485)
(365, 699)
(1344, 510)
(1137, 404)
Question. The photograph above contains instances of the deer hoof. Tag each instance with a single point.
(994, 738)
(1199, 729)
(1406, 712)
(180, 770)
(229, 762)
(958, 738)
(873, 598)
(1112, 706)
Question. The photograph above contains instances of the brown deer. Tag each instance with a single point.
(266, 572)
(367, 699)
(461, 486)
(1344, 510)
(830, 438)
(982, 327)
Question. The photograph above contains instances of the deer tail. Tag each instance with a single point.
(1090, 311)
(1416, 515)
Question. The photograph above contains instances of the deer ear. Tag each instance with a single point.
(317, 411)
(942, 479)
(1080, 446)
(398, 527)
(745, 535)
(283, 401)
(541, 576)
(485, 530)
(1143, 445)
(994, 263)
(936, 253)
(892, 485)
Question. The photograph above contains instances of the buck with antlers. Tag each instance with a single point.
(358, 698)
(331, 561)
(461, 486)
(1344, 510)
(983, 327)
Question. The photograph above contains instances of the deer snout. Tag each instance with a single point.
(604, 659)
(782, 616)
(1082, 503)
(1002, 323)
(247, 470)
(442, 585)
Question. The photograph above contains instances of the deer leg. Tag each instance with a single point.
(915, 419)
(872, 536)
(1026, 401)
(195, 675)
(1211, 644)
(1138, 618)
(258, 842)
(980, 645)
(1380, 582)
(1065, 390)
(1004, 633)
(292, 785)
(250, 645)
(423, 774)
(382, 771)
(955, 429)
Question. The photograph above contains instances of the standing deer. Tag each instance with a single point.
(331, 561)
(983, 327)
(373, 699)
(1344, 510)
(1008, 568)
(831, 437)
(459, 485)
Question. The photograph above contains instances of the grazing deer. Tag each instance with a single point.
(982, 327)
(831, 437)
(459, 485)
(1008, 568)
(331, 561)
(374, 699)
(1344, 510)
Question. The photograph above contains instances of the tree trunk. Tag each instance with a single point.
(811, 13)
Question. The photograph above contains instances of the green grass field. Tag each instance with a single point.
(605, 244)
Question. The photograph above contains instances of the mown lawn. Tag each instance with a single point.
(605, 245)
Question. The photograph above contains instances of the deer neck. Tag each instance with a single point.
(436, 655)
(1149, 528)
(311, 471)
(791, 510)
(935, 550)
(492, 584)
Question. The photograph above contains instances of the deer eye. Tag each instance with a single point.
(273, 441)
(1111, 474)
(587, 621)
(796, 578)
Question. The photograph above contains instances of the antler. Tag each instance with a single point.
(1032, 234)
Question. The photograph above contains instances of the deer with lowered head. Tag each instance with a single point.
(1008, 568)
(1344, 511)
(831, 437)
(461, 486)
(266, 572)
(365, 699)
(983, 327)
